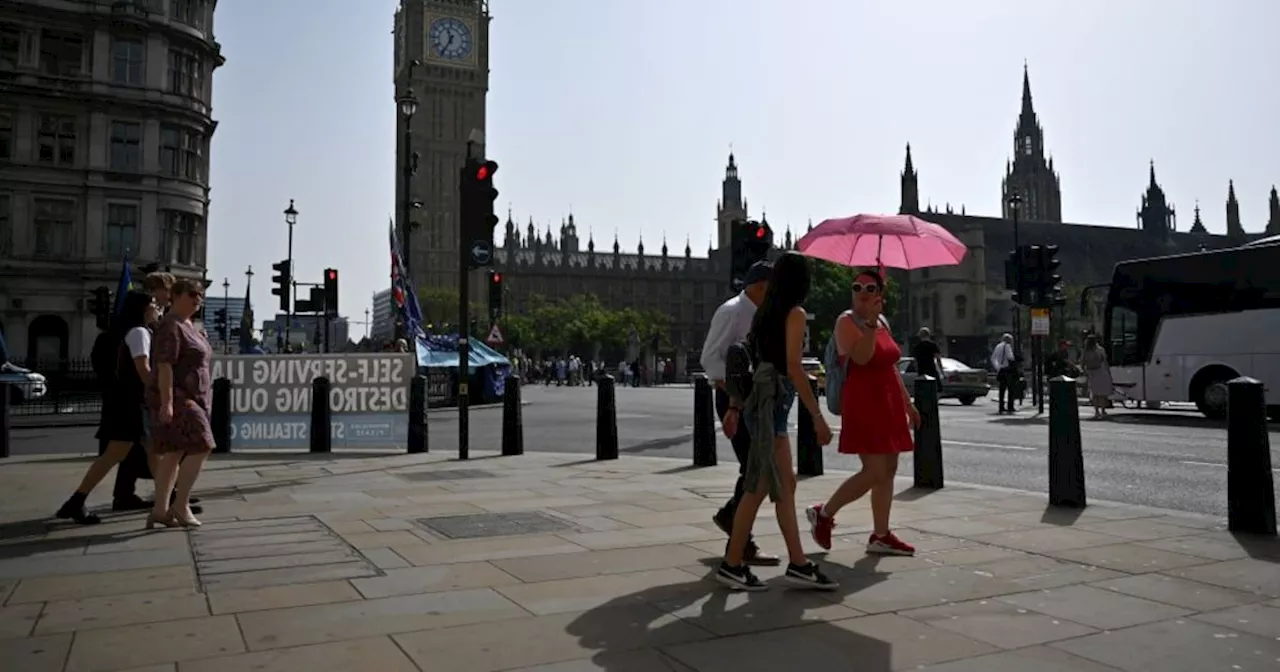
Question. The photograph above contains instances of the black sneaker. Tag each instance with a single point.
(809, 576)
(73, 510)
(739, 578)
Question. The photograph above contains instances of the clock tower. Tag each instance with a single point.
(442, 54)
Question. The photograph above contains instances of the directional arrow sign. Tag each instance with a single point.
(481, 253)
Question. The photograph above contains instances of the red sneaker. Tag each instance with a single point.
(889, 544)
(820, 526)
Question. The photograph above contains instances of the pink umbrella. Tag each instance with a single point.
(897, 241)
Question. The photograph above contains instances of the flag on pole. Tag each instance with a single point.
(123, 287)
(246, 324)
(403, 295)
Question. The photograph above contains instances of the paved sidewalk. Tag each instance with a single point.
(556, 564)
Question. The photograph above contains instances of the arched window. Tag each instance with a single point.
(962, 307)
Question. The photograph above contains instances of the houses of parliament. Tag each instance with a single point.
(966, 305)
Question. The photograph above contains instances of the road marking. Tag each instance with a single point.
(1213, 464)
(971, 444)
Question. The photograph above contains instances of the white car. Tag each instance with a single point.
(24, 384)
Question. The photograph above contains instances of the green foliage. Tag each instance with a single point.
(440, 307)
(830, 295)
(576, 324)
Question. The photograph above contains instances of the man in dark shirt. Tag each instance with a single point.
(928, 357)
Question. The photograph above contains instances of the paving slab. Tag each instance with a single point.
(547, 563)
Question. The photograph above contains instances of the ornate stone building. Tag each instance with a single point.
(104, 151)
(442, 54)
(685, 287)
(967, 305)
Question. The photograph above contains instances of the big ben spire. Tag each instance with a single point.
(732, 206)
(1031, 175)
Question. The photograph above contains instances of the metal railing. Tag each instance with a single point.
(70, 386)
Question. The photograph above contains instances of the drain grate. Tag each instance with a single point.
(273, 552)
(481, 525)
(447, 475)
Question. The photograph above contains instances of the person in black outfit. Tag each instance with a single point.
(928, 357)
(123, 423)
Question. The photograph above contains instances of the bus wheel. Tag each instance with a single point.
(1209, 391)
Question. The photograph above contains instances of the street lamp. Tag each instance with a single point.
(226, 301)
(290, 218)
(1015, 205)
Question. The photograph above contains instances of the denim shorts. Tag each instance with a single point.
(781, 410)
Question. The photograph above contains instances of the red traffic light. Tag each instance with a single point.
(483, 173)
(497, 278)
(333, 275)
(760, 232)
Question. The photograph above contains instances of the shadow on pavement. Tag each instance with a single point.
(666, 628)
(1259, 547)
(913, 494)
(1057, 515)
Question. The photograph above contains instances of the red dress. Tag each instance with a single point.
(872, 410)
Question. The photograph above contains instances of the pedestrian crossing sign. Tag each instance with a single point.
(495, 336)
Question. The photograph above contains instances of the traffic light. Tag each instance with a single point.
(477, 195)
(283, 278)
(750, 242)
(100, 307)
(1051, 286)
(331, 291)
(220, 322)
(495, 294)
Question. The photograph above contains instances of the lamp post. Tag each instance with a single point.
(407, 103)
(290, 218)
(1015, 204)
(226, 301)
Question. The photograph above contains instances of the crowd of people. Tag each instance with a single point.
(153, 367)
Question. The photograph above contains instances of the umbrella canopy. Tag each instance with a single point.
(896, 241)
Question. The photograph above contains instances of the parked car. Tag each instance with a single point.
(24, 384)
(813, 366)
(959, 380)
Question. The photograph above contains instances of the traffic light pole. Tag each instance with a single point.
(464, 321)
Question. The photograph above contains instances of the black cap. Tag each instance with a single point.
(760, 271)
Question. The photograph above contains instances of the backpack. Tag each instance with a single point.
(836, 370)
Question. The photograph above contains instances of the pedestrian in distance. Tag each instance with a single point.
(1006, 365)
(731, 324)
(776, 342)
(876, 417)
(1098, 372)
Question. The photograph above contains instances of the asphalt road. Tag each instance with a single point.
(1174, 460)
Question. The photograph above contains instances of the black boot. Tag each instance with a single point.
(74, 511)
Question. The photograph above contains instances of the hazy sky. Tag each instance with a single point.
(624, 111)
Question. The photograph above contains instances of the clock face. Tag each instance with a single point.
(450, 39)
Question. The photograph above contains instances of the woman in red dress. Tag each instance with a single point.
(877, 417)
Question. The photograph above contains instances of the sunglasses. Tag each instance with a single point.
(859, 288)
(196, 295)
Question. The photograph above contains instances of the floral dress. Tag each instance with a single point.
(178, 343)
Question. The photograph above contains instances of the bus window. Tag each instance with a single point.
(1123, 331)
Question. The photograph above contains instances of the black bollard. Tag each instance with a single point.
(1066, 456)
(606, 420)
(512, 418)
(320, 415)
(5, 391)
(220, 415)
(927, 460)
(1251, 489)
(704, 423)
(419, 439)
(808, 452)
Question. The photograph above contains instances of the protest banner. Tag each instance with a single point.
(271, 398)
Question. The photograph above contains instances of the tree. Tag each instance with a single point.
(440, 307)
(830, 294)
(578, 324)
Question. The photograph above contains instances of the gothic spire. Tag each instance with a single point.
(1273, 220)
(1028, 110)
(1235, 230)
(1152, 184)
(688, 251)
(1197, 226)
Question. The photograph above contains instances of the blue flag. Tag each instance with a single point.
(126, 283)
(403, 295)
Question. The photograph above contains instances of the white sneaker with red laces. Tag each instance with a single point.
(889, 544)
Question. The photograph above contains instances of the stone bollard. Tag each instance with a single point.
(704, 422)
(220, 415)
(512, 419)
(927, 461)
(606, 420)
(4, 419)
(1066, 456)
(808, 452)
(418, 436)
(320, 416)
(1251, 489)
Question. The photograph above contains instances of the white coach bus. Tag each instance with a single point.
(1178, 328)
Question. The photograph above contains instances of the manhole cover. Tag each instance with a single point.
(479, 525)
(449, 475)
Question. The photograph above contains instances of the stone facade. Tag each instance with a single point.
(442, 54)
(967, 306)
(104, 150)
